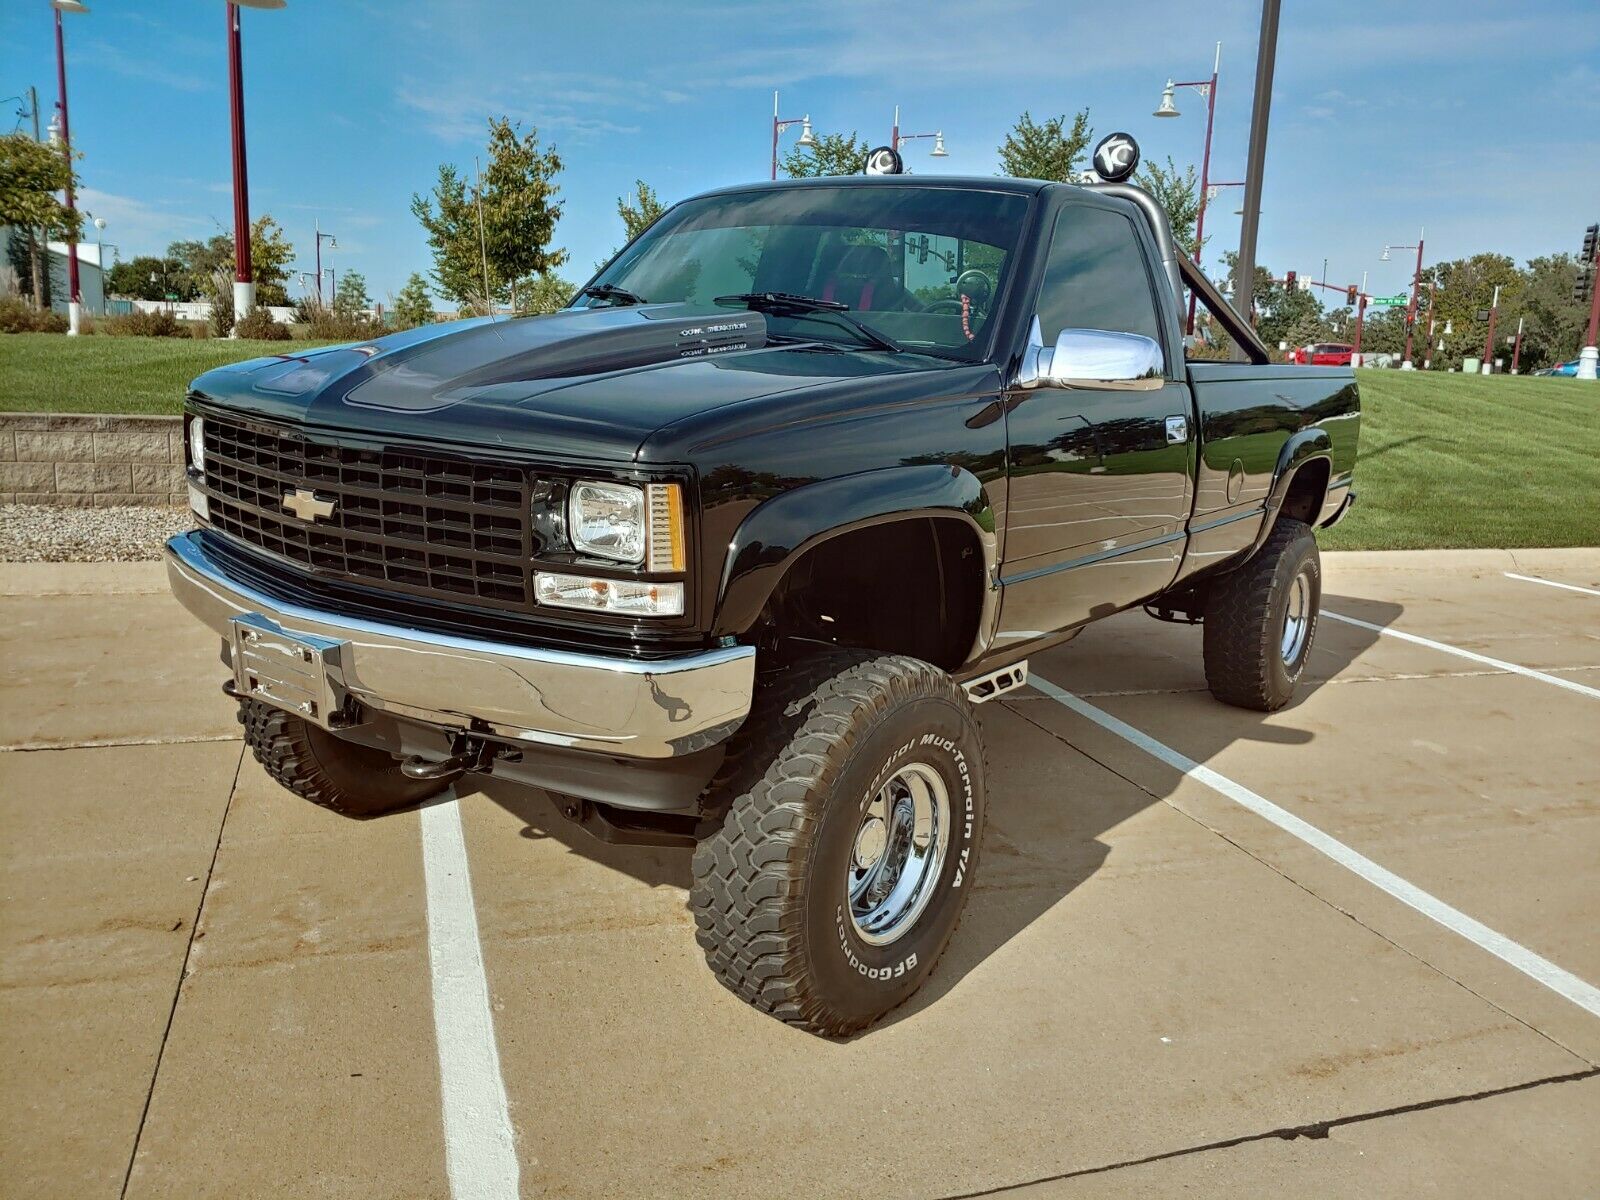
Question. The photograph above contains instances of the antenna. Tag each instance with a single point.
(483, 243)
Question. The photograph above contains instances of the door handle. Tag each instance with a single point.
(1177, 430)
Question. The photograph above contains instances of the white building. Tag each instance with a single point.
(91, 284)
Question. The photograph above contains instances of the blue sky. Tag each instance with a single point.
(1475, 118)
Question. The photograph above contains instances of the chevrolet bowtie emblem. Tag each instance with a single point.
(303, 503)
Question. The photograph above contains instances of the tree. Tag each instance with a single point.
(1281, 315)
(1554, 323)
(351, 298)
(519, 211)
(133, 279)
(1047, 151)
(639, 211)
(270, 256)
(545, 293)
(834, 154)
(414, 305)
(31, 174)
(1178, 192)
(200, 262)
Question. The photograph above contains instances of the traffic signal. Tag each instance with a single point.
(1289, 280)
(1351, 294)
(1583, 285)
(1590, 237)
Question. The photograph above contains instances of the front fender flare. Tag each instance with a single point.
(785, 527)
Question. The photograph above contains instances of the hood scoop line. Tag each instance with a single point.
(446, 371)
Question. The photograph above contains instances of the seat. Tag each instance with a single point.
(862, 280)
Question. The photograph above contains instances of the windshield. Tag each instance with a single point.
(923, 266)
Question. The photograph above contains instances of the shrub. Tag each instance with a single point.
(260, 325)
(17, 316)
(337, 326)
(141, 323)
(221, 297)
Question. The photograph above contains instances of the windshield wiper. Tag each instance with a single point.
(611, 292)
(781, 304)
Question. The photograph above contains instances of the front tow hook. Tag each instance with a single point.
(476, 757)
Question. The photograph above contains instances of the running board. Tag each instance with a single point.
(996, 683)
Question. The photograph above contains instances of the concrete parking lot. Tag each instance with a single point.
(1349, 948)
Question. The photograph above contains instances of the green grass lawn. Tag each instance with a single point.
(1446, 460)
(1469, 460)
(48, 372)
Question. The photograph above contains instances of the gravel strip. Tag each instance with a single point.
(45, 533)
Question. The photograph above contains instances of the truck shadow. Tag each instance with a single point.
(1050, 803)
(1057, 784)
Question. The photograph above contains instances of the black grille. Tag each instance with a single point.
(414, 522)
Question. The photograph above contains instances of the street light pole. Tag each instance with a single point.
(1261, 109)
(779, 124)
(333, 242)
(1208, 89)
(1416, 289)
(100, 259)
(244, 287)
(1516, 350)
(1488, 342)
(74, 296)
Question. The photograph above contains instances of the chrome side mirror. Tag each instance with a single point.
(1092, 358)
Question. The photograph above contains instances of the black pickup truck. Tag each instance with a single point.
(724, 554)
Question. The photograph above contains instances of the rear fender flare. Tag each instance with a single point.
(775, 535)
(1301, 448)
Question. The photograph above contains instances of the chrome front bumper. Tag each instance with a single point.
(639, 709)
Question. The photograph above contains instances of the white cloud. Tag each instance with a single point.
(139, 227)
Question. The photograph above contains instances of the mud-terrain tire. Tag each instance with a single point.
(834, 743)
(353, 780)
(1261, 621)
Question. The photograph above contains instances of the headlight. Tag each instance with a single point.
(197, 443)
(608, 521)
(629, 524)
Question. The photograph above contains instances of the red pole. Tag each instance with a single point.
(1411, 309)
(73, 294)
(241, 183)
(1594, 296)
(1488, 342)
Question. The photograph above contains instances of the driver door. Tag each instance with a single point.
(1100, 478)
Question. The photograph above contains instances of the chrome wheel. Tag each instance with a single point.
(898, 854)
(1297, 618)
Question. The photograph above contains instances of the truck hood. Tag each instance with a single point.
(582, 383)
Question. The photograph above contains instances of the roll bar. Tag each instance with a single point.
(1182, 272)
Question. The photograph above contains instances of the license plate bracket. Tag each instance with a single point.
(300, 673)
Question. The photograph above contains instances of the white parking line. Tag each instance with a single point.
(1571, 587)
(480, 1148)
(1585, 995)
(1581, 689)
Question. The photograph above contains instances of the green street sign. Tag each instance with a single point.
(172, 295)
(1390, 301)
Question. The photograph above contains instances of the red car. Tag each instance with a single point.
(1323, 354)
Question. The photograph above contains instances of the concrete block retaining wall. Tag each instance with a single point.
(91, 460)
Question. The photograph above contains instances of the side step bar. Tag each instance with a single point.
(996, 683)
